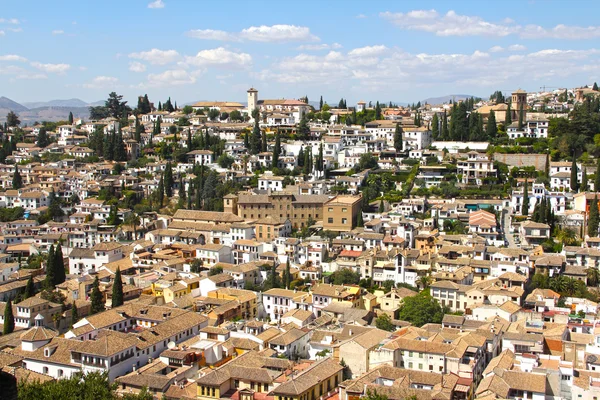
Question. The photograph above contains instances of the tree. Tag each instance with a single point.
(98, 113)
(377, 111)
(303, 131)
(359, 221)
(255, 139)
(70, 118)
(435, 128)
(9, 319)
(384, 322)
(491, 130)
(169, 182)
(398, 138)
(595, 87)
(96, 298)
(344, 276)
(321, 103)
(42, 139)
(597, 178)
(74, 314)
(236, 116)
(584, 181)
(420, 310)
(508, 116)
(373, 395)
(276, 151)
(525, 206)
(593, 219)
(161, 192)
(17, 180)
(117, 289)
(593, 276)
(115, 106)
(29, 288)
(12, 119)
(263, 146)
(521, 116)
(288, 274)
(574, 183)
(215, 271)
(60, 274)
(50, 270)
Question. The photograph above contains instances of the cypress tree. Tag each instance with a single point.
(264, 142)
(17, 181)
(525, 206)
(42, 139)
(584, 181)
(491, 129)
(288, 274)
(321, 103)
(273, 276)
(574, 183)
(117, 290)
(161, 192)
(247, 141)
(255, 139)
(29, 288)
(398, 138)
(189, 140)
(548, 219)
(60, 274)
(50, 269)
(138, 130)
(276, 150)
(320, 158)
(435, 127)
(508, 117)
(9, 319)
(169, 180)
(521, 116)
(96, 298)
(595, 87)
(597, 178)
(593, 218)
(359, 222)
(70, 118)
(445, 133)
(74, 315)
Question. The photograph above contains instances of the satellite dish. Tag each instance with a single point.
(171, 345)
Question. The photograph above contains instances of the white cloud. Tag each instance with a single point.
(274, 33)
(361, 16)
(12, 21)
(453, 24)
(219, 56)
(83, 68)
(2, 33)
(16, 30)
(156, 56)
(31, 76)
(10, 70)
(52, 68)
(58, 32)
(517, 47)
(173, 77)
(496, 49)
(322, 46)
(156, 4)
(368, 51)
(388, 70)
(12, 57)
(136, 66)
(211, 34)
(449, 24)
(101, 82)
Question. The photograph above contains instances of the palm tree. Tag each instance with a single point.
(570, 286)
(566, 236)
(593, 276)
(424, 281)
(558, 284)
(245, 159)
(133, 219)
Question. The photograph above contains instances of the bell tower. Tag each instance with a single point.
(252, 100)
(519, 102)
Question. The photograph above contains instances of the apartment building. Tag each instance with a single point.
(476, 168)
(340, 214)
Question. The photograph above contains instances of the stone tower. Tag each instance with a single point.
(518, 103)
(252, 100)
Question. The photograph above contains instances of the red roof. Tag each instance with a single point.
(350, 253)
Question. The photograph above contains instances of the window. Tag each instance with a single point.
(45, 370)
(344, 221)
(330, 209)
(330, 220)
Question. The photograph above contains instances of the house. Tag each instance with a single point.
(534, 233)
(476, 169)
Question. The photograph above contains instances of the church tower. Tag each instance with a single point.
(518, 103)
(252, 100)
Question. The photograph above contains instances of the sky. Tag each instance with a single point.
(401, 51)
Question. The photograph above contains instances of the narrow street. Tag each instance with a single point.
(508, 236)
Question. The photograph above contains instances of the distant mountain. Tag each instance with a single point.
(446, 99)
(8, 104)
(61, 103)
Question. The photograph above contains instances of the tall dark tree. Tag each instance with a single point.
(70, 118)
(50, 269)
(190, 143)
(169, 182)
(161, 192)
(597, 178)
(595, 87)
(117, 289)
(255, 139)
(115, 106)
(435, 128)
(42, 139)
(525, 206)
(60, 275)
(377, 111)
(17, 180)
(96, 298)
(12, 119)
(491, 129)
(264, 142)
(29, 288)
(593, 218)
(319, 164)
(276, 150)
(521, 116)
(74, 314)
(9, 319)
(574, 182)
(303, 131)
(508, 116)
(120, 153)
(321, 103)
(445, 132)
(584, 181)
(288, 274)
(138, 130)
(398, 138)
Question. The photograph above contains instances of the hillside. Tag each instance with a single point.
(446, 99)
(8, 104)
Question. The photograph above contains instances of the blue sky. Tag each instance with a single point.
(191, 50)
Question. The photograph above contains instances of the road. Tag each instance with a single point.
(509, 237)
